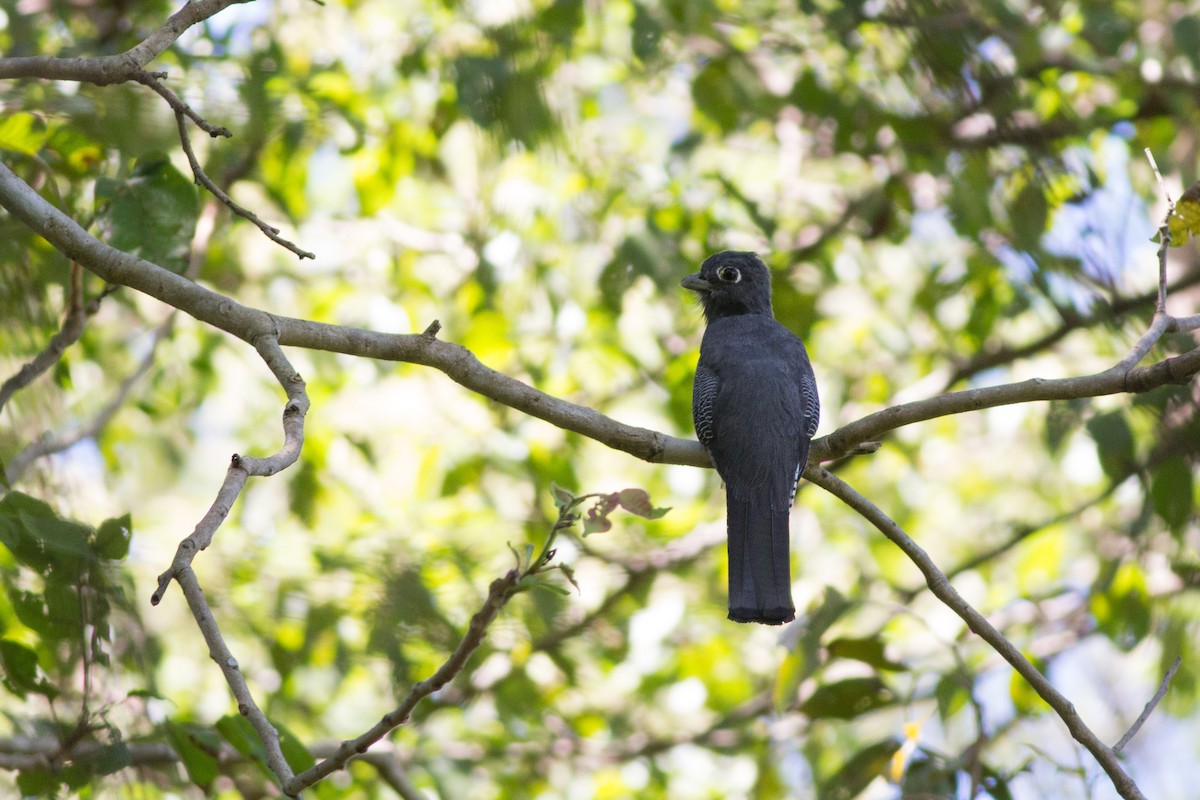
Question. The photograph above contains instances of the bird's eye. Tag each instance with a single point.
(729, 274)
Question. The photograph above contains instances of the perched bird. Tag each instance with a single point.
(755, 407)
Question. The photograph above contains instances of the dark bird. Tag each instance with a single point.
(755, 407)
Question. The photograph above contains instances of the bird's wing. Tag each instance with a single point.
(704, 393)
(812, 403)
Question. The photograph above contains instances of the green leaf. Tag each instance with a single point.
(925, 777)
(862, 768)
(20, 664)
(197, 748)
(37, 783)
(1029, 213)
(1114, 443)
(67, 542)
(152, 214)
(1186, 32)
(869, 650)
(1185, 222)
(22, 132)
(561, 19)
(724, 90)
(847, 699)
(295, 753)
(16, 510)
(792, 672)
(596, 525)
(1122, 608)
(951, 696)
(1063, 418)
(304, 491)
(238, 731)
(562, 497)
(813, 624)
(113, 537)
(1028, 702)
(1172, 490)
(649, 254)
(569, 573)
(645, 34)
(107, 760)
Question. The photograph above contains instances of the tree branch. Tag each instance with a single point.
(1163, 685)
(1006, 354)
(45, 753)
(219, 652)
(183, 110)
(944, 591)
(72, 328)
(463, 367)
(151, 79)
(49, 445)
(242, 467)
(104, 70)
(499, 593)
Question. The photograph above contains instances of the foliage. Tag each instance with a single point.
(950, 196)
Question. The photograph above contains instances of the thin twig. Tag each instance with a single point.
(499, 593)
(152, 79)
(1019, 535)
(944, 591)
(1161, 322)
(1005, 354)
(1164, 233)
(72, 328)
(202, 178)
(49, 445)
(1163, 685)
(104, 70)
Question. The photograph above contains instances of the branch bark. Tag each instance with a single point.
(243, 467)
(463, 367)
(219, 652)
(104, 70)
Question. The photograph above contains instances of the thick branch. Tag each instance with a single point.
(103, 70)
(461, 365)
(944, 591)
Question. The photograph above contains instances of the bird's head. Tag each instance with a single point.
(730, 283)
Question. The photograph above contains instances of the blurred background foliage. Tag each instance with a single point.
(950, 195)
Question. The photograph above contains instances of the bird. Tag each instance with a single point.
(755, 407)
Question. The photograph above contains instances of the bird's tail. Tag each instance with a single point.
(760, 580)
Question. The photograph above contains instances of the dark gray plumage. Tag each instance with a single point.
(755, 407)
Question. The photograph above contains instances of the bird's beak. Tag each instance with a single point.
(696, 283)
